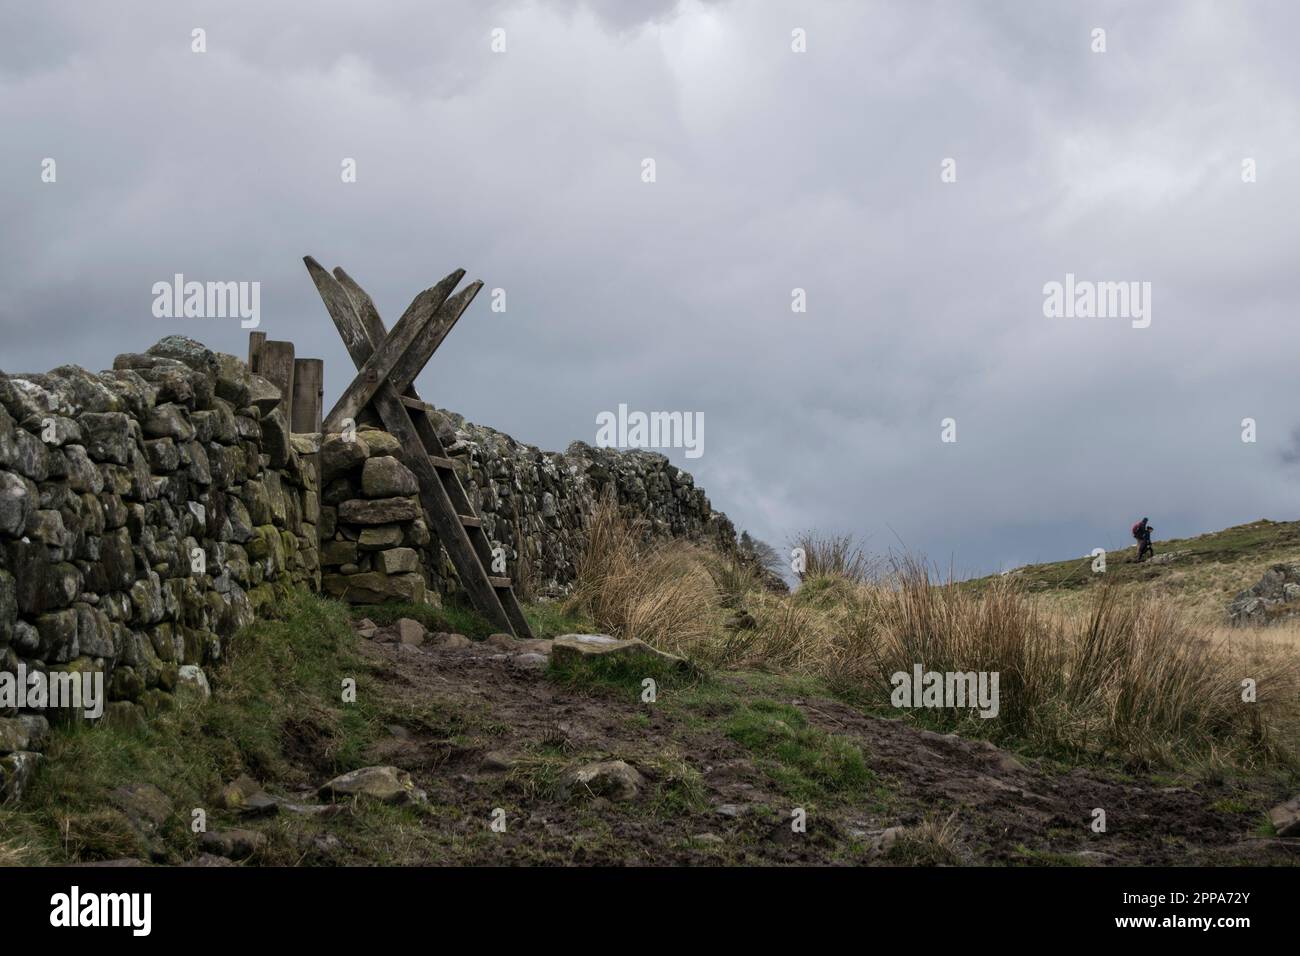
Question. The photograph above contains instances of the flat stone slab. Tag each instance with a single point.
(385, 784)
(568, 648)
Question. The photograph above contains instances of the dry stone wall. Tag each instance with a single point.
(537, 505)
(146, 513)
(149, 511)
(375, 543)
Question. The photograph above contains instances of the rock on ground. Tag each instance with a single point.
(614, 780)
(568, 648)
(1285, 818)
(235, 844)
(385, 784)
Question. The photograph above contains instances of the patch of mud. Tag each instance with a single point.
(480, 732)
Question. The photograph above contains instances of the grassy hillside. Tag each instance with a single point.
(725, 758)
(786, 709)
(1202, 574)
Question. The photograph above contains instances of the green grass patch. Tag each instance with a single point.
(623, 674)
(1047, 858)
(678, 790)
(552, 619)
(805, 760)
(451, 619)
(1230, 805)
(276, 714)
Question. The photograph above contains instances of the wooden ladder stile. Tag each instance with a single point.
(387, 365)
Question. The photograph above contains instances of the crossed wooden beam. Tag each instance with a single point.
(387, 363)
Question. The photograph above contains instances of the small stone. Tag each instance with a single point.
(408, 631)
(263, 394)
(17, 500)
(379, 538)
(233, 844)
(497, 761)
(13, 735)
(385, 784)
(338, 455)
(387, 477)
(338, 553)
(235, 794)
(378, 510)
(168, 421)
(145, 805)
(1285, 818)
(614, 780)
(190, 680)
(381, 443)
(16, 771)
(880, 843)
(38, 730)
(398, 561)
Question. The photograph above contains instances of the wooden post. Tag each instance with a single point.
(277, 368)
(308, 394)
(256, 340)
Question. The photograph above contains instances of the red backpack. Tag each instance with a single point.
(1136, 529)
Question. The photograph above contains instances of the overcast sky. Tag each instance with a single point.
(775, 170)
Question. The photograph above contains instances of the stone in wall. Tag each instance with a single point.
(375, 542)
(146, 513)
(537, 505)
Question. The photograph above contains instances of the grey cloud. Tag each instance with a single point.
(775, 171)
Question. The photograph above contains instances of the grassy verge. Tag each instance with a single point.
(808, 763)
(452, 618)
(623, 675)
(1128, 677)
(276, 714)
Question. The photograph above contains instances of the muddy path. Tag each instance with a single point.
(489, 736)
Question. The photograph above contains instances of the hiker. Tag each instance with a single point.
(1142, 531)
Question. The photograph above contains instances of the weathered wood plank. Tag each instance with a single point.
(277, 368)
(256, 340)
(339, 306)
(412, 363)
(413, 327)
(393, 348)
(308, 394)
(411, 366)
(365, 306)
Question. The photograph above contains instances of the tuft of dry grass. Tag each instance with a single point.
(1131, 674)
(660, 592)
(932, 842)
(834, 555)
(15, 854)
